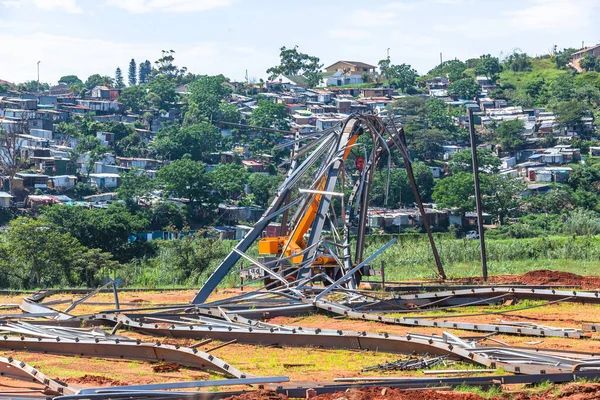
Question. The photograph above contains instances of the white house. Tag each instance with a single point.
(63, 181)
(5, 199)
(340, 78)
(105, 180)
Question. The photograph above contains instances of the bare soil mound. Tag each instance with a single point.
(544, 277)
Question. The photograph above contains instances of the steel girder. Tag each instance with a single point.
(467, 326)
(16, 369)
(133, 350)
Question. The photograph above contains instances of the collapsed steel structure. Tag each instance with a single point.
(305, 270)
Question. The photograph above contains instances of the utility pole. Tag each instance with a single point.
(441, 58)
(478, 195)
(38, 76)
(388, 53)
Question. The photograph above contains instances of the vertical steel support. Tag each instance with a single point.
(478, 203)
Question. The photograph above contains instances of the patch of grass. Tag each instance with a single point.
(487, 393)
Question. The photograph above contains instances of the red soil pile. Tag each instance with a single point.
(170, 367)
(94, 380)
(378, 393)
(544, 277)
(259, 395)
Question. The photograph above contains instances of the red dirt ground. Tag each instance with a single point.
(585, 391)
(543, 277)
(94, 379)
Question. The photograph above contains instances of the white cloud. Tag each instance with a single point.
(352, 34)
(65, 55)
(69, 6)
(11, 4)
(172, 6)
(552, 14)
(449, 28)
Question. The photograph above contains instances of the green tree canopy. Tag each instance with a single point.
(206, 95)
(106, 229)
(188, 179)
(161, 93)
(135, 185)
(134, 98)
(263, 187)
(401, 76)
(98, 80)
(570, 114)
(456, 191)
(132, 74)
(463, 161)
(197, 140)
(270, 115)
(488, 66)
(500, 194)
(229, 180)
(466, 89)
(70, 80)
(509, 134)
(292, 62)
(36, 254)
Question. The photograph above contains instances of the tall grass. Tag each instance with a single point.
(410, 259)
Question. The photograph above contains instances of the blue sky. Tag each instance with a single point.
(83, 37)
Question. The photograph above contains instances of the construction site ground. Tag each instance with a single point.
(323, 365)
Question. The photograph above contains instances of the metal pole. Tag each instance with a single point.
(38, 76)
(478, 195)
(383, 275)
(116, 295)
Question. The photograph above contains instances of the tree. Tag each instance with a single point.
(36, 254)
(229, 180)
(161, 93)
(438, 115)
(500, 194)
(135, 185)
(206, 95)
(229, 112)
(585, 177)
(270, 115)
(488, 66)
(518, 62)
(427, 143)
(588, 63)
(134, 98)
(188, 179)
(98, 80)
(509, 135)
(165, 66)
(70, 80)
(570, 114)
(424, 179)
(463, 161)
(119, 82)
(197, 140)
(466, 89)
(166, 215)
(145, 70)
(292, 62)
(33, 86)
(454, 69)
(263, 187)
(132, 75)
(10, 155)
(563, 58)
(456, 191)
(401, 76)
(106, 229)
